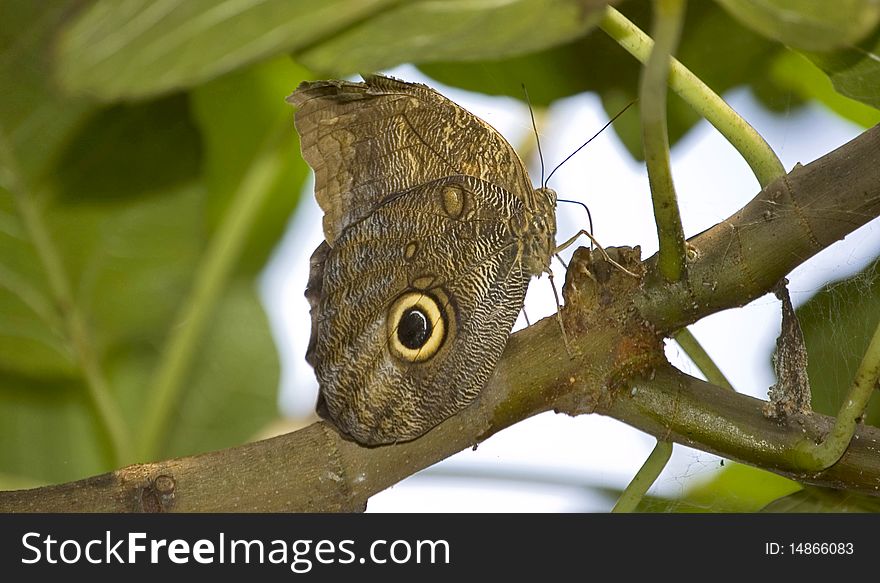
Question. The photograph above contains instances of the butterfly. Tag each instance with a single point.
(432, 233)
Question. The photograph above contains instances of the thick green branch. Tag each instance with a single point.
(787, 223)
(749, 143)
(668, 17)
(692, 412)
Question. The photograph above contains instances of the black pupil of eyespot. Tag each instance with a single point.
(414, 329)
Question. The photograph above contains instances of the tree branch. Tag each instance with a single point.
(616, 325)
(788, 222)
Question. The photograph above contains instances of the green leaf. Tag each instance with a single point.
(815, 25)
(36, 128)
(48, 431)
(32, 341)
(64, 206)
(420, 32)
(741, 488)
(126, 216)
(10, 482)
(855, 70)
(838, 323)
(129, 263)
(140, 48)
(715, 47)
(35, 119)
(815, 499)
(162, 150)
(126, 220)
(237, 113)
(795, 71)
(735, 488)
(233, 391)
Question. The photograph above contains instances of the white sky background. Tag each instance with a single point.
(546, 463)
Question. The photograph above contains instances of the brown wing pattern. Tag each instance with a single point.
(368, 140)
(470, 260)
(433, 232)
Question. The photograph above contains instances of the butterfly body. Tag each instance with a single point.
(433, 232)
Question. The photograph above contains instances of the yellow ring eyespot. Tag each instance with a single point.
(416, 326)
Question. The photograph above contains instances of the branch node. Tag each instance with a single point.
(598, 292)
(158, 495)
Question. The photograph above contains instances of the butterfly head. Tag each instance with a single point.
(540, 236)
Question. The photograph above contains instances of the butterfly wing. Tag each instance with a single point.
(432, 233)
(366, 140)
(445, 247)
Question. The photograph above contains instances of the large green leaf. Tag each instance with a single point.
(139, 48)
(32, 341)
(161, 150)
(112, 157)
(814, 499)
(838, 323)
(791, 69)
(421, 32)
(741, 488)
(237, 114)
(734, 488)
(855, 70)
(48, 431)
(815, 25)
(127, 206)
(128, 263)
(720, 51)
(131, 262)
(34, 119)
(233, 390)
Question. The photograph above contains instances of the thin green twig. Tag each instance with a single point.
(818, 457)
(75, 328)
(211, 276)
(644, 478)
(753, 148)
(701, 358)
(668, 17)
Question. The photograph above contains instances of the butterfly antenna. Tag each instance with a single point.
(586, 208)
(535, 128)
(582, 146)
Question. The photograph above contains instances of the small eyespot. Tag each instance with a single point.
(423, 282)
(453, 199)
(410, 250)
(416, 326)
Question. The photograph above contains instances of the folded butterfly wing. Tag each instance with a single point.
(412, 307)
(432, 234)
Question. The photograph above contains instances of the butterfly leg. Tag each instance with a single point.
(586, 233)
(526, 316)
(560, 248)
(559, 315)
(561, 260)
